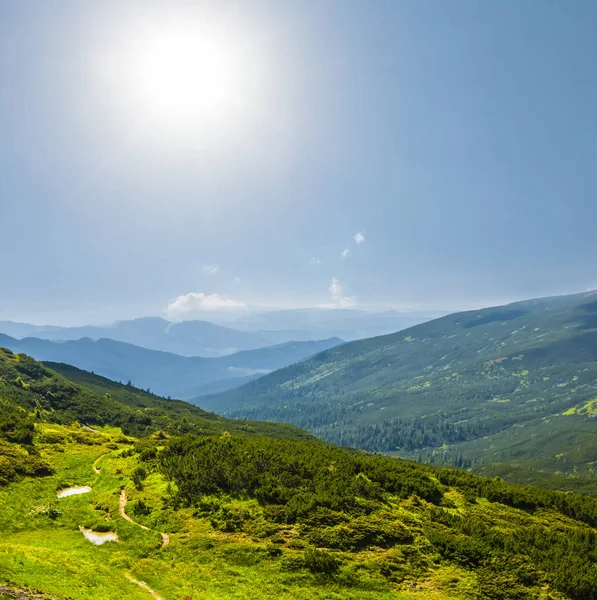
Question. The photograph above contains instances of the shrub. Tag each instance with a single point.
(139, 474)
(231, 518)
(362, 532)
(140, 508)
(320, 561)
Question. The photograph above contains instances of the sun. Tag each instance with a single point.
(190, 75)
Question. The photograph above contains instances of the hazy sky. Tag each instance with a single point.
(342, 153)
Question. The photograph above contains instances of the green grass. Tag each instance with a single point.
(259, 556)
(52, 555)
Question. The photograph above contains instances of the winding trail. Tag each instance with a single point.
(121, 506)
(143, 585)
(122, 512)
(96, 469)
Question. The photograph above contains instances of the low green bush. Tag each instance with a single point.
(320, 561)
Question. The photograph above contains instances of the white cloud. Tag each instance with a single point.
(359, 237)
(210, 269)
(183, 306)
(335, 288)
(315, 261)
(345, 253)
(237, 280)
(338, 300)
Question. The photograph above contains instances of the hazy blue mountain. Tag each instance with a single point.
(189, 338)
(21, 330)
(348, 324)
(256, 330)
(164, 373)
(514, 383)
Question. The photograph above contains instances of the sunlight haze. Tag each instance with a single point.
(421, 155)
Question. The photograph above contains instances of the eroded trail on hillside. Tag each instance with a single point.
(122, 502)
(121, 509)
(121, 506)
(144, 586)
(96, 462)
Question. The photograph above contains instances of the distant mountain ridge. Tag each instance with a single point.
(203, 338)
(189, 338)
(515, 384)
(165, 373)
(348, 324)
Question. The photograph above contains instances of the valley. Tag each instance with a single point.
(166, 374)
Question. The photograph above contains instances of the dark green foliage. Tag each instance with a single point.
(15, 424)
(320, 561)
(231, 518)
(301, 477)
(346, 501)
(362, 532)
(140, 508)
(16, 461)
(138, 476)
(576, 506)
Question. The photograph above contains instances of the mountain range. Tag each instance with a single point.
(165, 373)
(255, 330)
(348, 324)
(515, 384)
(189, 338)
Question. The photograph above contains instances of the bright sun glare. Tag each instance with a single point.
(190, 75)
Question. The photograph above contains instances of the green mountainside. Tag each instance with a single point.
(162, 372)
(515, 384)
(256, 510)
(30, 392)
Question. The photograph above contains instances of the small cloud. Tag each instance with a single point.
(315, 261)
(335, 288)
(193, 302)
(210, 269)
(359, 237)
(345, 253)
(237, 280)
(338, 300)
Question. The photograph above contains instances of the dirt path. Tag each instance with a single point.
(122, 512)
(87, 428)
(143, 585)
(121, 505)
(121, 509)
(96, 469)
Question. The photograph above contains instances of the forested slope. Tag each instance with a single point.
(36, 393)
(516, 383)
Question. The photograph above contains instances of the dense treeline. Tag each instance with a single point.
(407, 434)
(349, 501)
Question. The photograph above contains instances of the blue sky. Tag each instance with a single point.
(459, 138)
